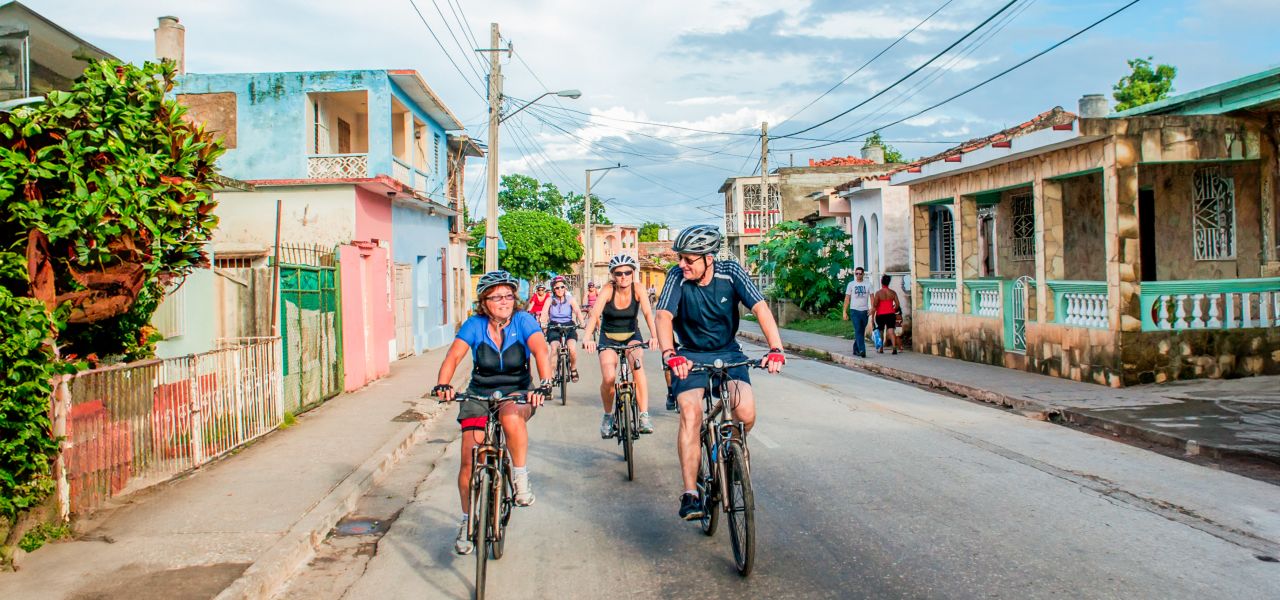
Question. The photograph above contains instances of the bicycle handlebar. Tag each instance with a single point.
(720, 365)
(521, 397)
(630, 346)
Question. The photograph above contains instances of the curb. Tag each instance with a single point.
(290, 554)
(1028, 407)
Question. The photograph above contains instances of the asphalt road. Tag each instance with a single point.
(865, 488)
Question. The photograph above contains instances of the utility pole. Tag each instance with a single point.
(764, 180)
(495, 114)
(588, 231)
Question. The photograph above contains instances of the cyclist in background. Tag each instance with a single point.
(592, 295)
(699, 303)
(538, 299)
(562, 309)
(617, 312)
(500, 338)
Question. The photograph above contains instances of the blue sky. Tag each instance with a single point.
(713, 65)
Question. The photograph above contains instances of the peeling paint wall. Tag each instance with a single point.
(422, 240)
(323, 215)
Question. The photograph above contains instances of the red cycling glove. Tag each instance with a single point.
(775, 355)
(676, 361)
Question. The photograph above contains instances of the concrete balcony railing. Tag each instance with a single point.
(940, 295)
(1210, 304)
(1080, 303)
(337, 166)
(409, 176)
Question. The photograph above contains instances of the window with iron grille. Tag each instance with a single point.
(435, 160)
(1023, 243)
(942, 243)
(1214, 224)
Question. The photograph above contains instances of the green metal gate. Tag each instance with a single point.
(310, 327)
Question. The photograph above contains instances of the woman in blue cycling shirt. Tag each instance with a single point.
(501, 339)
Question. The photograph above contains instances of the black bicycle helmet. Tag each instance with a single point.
(698, 239)
(493, 278)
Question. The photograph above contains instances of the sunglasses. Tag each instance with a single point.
(689, 260)
(623, 273)
(501, 298)
(559, 287)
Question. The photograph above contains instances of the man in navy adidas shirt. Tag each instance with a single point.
(699, 305)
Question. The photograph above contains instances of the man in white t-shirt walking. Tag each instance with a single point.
(857, 305)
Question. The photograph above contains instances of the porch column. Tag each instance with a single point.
(920, 251)
(1270, 163)
(966, 246)
(1050, 265)
(1120, 216)
(408, 140)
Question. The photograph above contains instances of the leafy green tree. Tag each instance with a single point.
(806, 264)
(649, 231)
(551, 200)
(518, 192)
(1144, 85)
(104, 198)
(538, 244)
(574, 202)
(891, 154)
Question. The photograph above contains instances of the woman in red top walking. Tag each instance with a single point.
(886, 305)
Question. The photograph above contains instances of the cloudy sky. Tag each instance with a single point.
(708, 66)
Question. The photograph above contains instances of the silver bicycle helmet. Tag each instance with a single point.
(698, 239)
(493, 278)
(622, 260)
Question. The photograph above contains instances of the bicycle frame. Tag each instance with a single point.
(719, 425)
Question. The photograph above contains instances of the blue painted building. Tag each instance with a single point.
(362, 161)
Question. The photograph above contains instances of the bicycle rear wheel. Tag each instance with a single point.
(623, 419)
(480, 506)
(708, 490)
(742, 508)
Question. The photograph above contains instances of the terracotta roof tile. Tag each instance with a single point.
(1055, 117)
(841, 161)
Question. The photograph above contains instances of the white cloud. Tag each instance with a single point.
(713, 101)
(866, 24)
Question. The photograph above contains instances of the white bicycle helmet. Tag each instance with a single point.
(698, 239)
(622, 260)
(493, 278)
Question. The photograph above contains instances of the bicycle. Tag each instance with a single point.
(724, 475)
(492, 492)
(564, 363)
(626, 419)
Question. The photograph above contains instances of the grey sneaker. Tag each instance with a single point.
(463, 544)
(645, 425)
(524, 494)
(606, 427)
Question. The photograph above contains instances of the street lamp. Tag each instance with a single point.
(588, 230)
(495, 118)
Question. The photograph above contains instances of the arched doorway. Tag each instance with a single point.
(860, 260)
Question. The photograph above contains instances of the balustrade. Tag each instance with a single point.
(337, 166)
(1241, 308)
(988, 303)
(940, 295)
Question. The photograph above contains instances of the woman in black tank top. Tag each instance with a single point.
(617, 313)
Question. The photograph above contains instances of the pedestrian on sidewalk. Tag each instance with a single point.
(501, 339)
(857, 306)
(887, 308)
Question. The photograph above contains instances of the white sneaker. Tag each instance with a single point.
(606, 427)
(463, 544)
(524, 495)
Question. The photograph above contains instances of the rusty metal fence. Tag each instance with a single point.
(131, 426)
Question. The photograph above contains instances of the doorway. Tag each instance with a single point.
(1147, 233)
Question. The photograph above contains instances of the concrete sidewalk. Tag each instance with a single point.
(1237, 418)
(238, 528)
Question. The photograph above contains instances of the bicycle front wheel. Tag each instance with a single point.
(481, 511)
(742, 508)
(564, 380)
(708, 490)
(499, 512)
(623, 418)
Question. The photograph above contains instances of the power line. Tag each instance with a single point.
(468, 54)
(906, 95)
(904, 77)
(465, 78)
(993, 77)
(864, 65)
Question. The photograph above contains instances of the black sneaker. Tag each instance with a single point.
(671, 401)
(690, 507)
